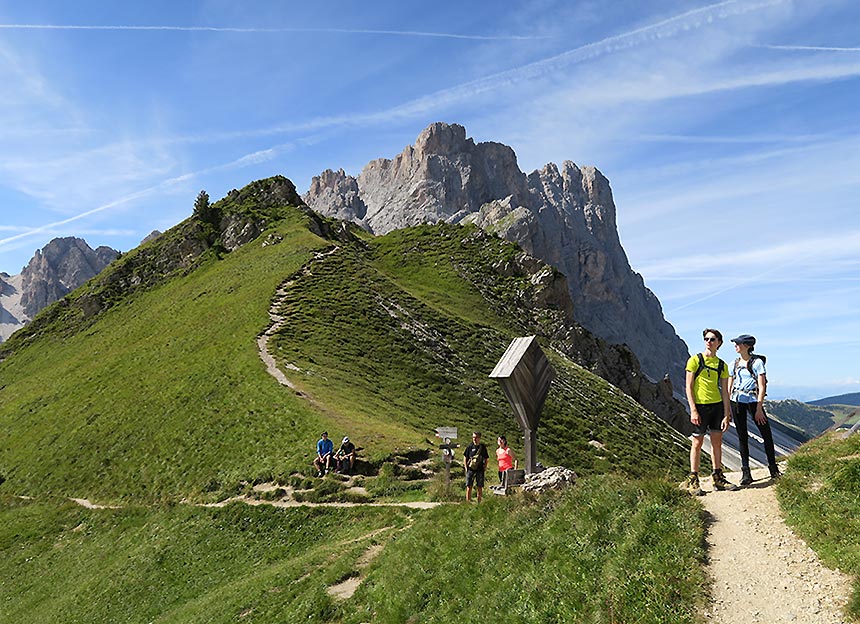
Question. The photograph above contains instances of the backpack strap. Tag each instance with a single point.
(701, 365)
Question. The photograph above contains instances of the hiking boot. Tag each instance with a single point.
(746, 476)
(774, 472)
(720, 482)
(691, 485)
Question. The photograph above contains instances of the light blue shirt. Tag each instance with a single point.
(744, 385)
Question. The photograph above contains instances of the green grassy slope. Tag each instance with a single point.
(145, 388)
(606, 551)
(396, 333)
(165, 395)
(820, 496)
(180, 564)
(812, 420)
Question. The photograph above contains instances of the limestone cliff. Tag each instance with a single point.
(54, 271)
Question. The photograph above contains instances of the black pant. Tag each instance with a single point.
(739, 413)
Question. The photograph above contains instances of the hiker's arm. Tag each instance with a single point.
(727, 406)
(760, 417)
(694, 414)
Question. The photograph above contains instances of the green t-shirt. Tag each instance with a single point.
(706, 386)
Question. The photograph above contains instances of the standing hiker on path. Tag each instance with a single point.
(710, 411)
(322, 461)
(505, 457)
(748, 382)
(475, 460)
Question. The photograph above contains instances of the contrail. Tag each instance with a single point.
(231, 29)
(809, 48)
(739, 283)
(248, 159)
(688, 20)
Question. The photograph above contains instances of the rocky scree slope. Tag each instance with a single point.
(564, 216)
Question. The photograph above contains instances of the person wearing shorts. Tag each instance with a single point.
(710, 411)
(475, 460)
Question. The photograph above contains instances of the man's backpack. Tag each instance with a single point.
(703, 366)
(476, 460)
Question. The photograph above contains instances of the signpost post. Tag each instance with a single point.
(525, 375)
(447, 434)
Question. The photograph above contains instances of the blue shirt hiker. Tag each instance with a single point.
(325, 448)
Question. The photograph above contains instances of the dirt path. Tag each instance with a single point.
(278, 322)
(761, 571)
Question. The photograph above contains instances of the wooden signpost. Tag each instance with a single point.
(447, 434)
(525, 375)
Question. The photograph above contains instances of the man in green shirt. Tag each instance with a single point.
(710, 409)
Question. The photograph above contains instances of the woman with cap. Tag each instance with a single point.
(748, 382)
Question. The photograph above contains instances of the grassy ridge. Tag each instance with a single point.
(820, 497)
(396, 334)
(812, 420)
(605, 551)
(166, 395)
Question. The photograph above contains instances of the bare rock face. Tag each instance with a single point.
(54, 271)
(58, 268)
(565, 217)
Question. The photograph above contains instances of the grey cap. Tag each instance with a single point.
(745, 339)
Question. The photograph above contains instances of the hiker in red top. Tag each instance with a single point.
(505, 457)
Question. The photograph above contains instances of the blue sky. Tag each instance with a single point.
(729, 131)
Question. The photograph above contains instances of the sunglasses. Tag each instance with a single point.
(711, 339)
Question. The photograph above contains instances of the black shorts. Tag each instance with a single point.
(710, 418)
(475, 477)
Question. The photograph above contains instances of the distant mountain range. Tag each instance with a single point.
(58, 268)
(852, 398)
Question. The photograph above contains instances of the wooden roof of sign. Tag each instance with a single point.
(525, 375)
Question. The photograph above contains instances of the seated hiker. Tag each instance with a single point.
(345, 457)
(324, 454)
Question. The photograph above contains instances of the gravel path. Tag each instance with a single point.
(761, 571)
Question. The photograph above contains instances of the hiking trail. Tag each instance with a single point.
(278, 322)
(760, 570)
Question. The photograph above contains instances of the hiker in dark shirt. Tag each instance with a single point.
(475, 460)
(345, 457)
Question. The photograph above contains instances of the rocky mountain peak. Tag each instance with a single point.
(55, 270)
(442, 139)
(565, 216)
